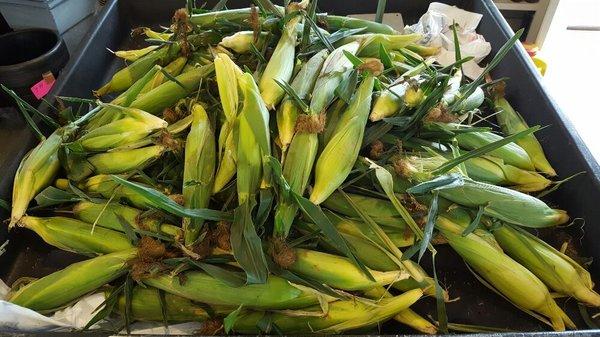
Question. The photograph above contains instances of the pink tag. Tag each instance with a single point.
(42, 88)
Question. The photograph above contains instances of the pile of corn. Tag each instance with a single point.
(262, 170)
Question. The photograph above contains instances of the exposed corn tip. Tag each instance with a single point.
(510, 278)
(337, 159)
(561, 273)
(241, 42)
(199, 170)
(36, 171)
(343, 315)
(59, 288)
(76, 236)
(280, 66)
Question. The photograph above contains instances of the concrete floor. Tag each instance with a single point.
(573, 74)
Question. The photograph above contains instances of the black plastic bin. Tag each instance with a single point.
(92, 66)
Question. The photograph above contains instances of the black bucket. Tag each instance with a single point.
(26, 55)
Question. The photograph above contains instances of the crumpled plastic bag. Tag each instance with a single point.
(435, 26)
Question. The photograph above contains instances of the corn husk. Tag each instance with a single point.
(494, 171)
(36, 171)
(511, 122)
(168, 93)
(227, 72)
(499, 202)
(341, 316)
(127, 76)
(59, 288)
(146, 306)
(280, 66)
(174, 68)
(127, 160)
(76, 236)
(508, 277)
(335, 69)
(199, 170)
(335, 22)
(337, 159)
(103, 185)
(276, 293)
(561, 273)
(339, 272)
(380, 210)
(110, 214)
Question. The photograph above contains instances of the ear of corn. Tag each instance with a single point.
(303, 85)
(110, 113)
(59, 288)
(174, 68)
(124, 78)
(227, 73)
(511, 122)
(275, 294)
(494, 171)
(338, 157)
(76, 236)
(339, 272)
(407, 317)
(168, 93)
(199, 170)
(110, 214)
(36, 171)
(146, 306)
(240, 42)
(381, 211)
(511, 153)
(133, 126)
(343, 315)
(510, 278)
(106, 187)
(253, 140)
(280, 66)
(499, 202)
(125, 161)
(335, 69)
(369, 43)
(561, 273)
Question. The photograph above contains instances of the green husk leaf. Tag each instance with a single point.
(231, 278)
(380, 11)
(293, 95)
(51, 196)
(161, 201)
(353, 59)
(348, 86)
(428, 230)
(475, 223)
(229, 320)
(246, 244)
